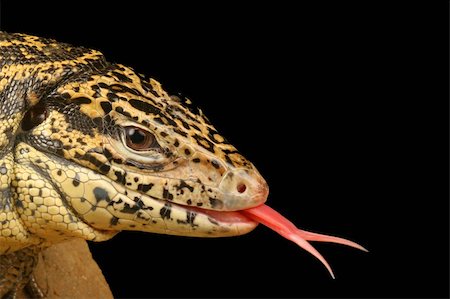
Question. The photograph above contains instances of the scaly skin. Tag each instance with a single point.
(67, 170)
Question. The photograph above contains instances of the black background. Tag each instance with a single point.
(341, 106)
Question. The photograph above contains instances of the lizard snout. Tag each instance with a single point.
(243, 188)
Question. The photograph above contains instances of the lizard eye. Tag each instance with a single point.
(139, 139)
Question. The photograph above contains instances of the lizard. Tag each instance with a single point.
(89, 148)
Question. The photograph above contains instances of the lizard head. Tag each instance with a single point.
(122, 154)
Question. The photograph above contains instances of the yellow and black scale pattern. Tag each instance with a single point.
(89, 148)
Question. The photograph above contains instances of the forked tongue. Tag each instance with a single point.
(275, 221)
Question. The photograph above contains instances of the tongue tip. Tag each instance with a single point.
(362, 248)
(310, 236)
(332, 275)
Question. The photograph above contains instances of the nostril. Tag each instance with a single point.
(241, 188)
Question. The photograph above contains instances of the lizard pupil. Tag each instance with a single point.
(33, 117)
(139, 139)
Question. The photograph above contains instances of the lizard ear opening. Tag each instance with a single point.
(34, 116)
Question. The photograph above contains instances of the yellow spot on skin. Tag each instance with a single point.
(45, 192)
(34, 191)
(49, 201)
(53, 210)
(57, 218)
(71, 226)
(63, 210)
(46, 216)
(70, 173)
(38, 201)
(6, 232)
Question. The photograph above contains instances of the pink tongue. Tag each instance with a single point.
(275, 221)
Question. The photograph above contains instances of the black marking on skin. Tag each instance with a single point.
(190, 217)
(183, 184)
(76, 180)
(65, 95)
(114, 220)
(167, 194)
(98, 121)
(165, 211)
(159, 120)
(119, 88)
(19, 203)
(196, 128)
(130, 209)
(118, 160)
(141, 205)
(106, 106)
(122, 77)
(196, 160)
(176, 143)
(213, 221)
(145, 107)
(124, 113)
(229, 161)
(210, 146)
(189, 202)
(215, 164)
(142, 215)
(59, 172)
(182, 133)
(227, 151)
(112, 97)
(185, 124)
(154, 167)
(120, 177)
(147, 86)
(187, 152)
(199, 204)
(215, 203)
(82, 100)
(145, 187)
(108, 121)
(97, 91)
(163, 134)
(89, 158)
(104, 168)
(101, 194)
(80, 141)
(107, 154)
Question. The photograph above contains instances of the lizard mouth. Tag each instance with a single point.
(224, 216)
